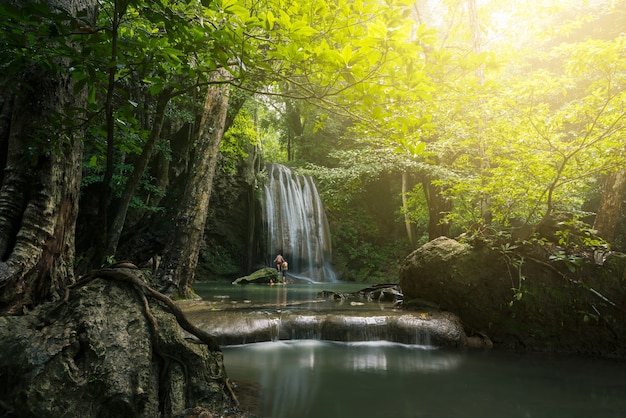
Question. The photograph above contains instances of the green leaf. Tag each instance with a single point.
(269, 21)
(92, 94)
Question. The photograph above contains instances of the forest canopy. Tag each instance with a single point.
(472, 115)
(523, 117)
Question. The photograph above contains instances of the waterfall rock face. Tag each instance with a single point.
(295, 225)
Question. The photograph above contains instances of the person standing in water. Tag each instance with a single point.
(281, 265)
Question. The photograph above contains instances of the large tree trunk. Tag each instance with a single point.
(611, 205)
(40, 188)
(180, 257)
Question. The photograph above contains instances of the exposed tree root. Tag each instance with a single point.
(123, 272)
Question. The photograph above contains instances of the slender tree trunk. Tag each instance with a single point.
(295, 127)
(438, 207)
(472, 9)
(138, 171)
(484, 163)
(40, 189)
(181, 254)
(410, 228)
(611, 205)
(105, 194)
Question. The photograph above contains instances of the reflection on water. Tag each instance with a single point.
(323, 379)
(314, 379)
(294, 296)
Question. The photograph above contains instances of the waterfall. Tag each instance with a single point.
(295, 225)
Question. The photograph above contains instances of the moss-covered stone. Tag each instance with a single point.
(523, 300)
(264, 276)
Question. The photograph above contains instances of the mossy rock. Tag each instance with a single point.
(537, 305)
(263, 276)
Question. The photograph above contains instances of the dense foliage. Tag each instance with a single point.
(506, 138)
(418, 119)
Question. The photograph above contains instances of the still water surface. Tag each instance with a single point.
(322, 379)
(291, 296)
(315, 379)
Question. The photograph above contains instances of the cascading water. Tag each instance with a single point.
(295, 225)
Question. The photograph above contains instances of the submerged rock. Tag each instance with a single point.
(384, 292)
(523, 300)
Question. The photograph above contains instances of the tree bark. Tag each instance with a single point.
(6, 104)
(40, 189)
(610, 205)
(180, 256)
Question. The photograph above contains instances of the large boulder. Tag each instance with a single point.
(523, 300)
(110, 350)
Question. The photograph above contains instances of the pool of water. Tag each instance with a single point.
(325, 379)
(316, 379)
(291, 296)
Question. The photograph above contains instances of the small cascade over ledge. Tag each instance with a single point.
(243, 326)
(236, 315)
(295, 225)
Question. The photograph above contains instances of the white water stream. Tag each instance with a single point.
(295, 225)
